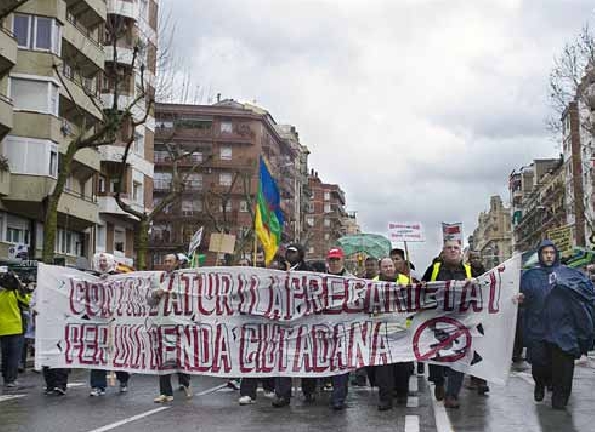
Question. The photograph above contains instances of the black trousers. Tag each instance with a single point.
(553, 366)
(517, 350)
(248, 386)
(165, 387)
(283, 387)
(393, 377)
(55, 378)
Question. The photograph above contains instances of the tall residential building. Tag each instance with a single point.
(135, 23)
(53, 93)
(220, 147)
(325, 217)
(538, 201)
(492, 237)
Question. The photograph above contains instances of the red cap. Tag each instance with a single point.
(335, 253)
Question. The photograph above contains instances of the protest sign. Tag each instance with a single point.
(405, 232)
(452, 232)
(252, 322)
(562, 237)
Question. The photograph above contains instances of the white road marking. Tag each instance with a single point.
(413, 383)
(76, 384)
(9, 397)
(525, 376)
(129, 419)
(411, 423)
(412, 402)
(442, 421)
(211, 390)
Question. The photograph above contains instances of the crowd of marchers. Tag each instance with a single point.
(555, 327)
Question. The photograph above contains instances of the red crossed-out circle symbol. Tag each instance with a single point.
(432, 352)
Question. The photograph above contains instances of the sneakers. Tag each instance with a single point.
(123, 388)
(439, 392)
(48, 392)
(233, 384)
(97, 391)
(245, 400)
(451, 402)
(163, 399)
(269, 394)
(11, 384)
(58, 391)
(187, 391)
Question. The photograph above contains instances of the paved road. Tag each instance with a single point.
(215, 408)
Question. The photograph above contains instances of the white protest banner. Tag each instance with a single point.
(252, 322)
(405, 232)
(452, 232)
(195, 241)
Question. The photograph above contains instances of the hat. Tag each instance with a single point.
(335, 253)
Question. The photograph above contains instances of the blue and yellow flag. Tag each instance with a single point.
(269, 217)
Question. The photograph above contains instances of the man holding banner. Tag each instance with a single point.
(451, 268)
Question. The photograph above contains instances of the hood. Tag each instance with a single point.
(299, 248)
(544, 244)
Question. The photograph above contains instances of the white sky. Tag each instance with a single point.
(419, 109)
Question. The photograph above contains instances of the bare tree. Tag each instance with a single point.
(10, 6)
(93, 136)
(571, 74)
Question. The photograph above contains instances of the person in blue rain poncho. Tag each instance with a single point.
(558, 318)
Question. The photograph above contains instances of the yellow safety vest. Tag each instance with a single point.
(436, 270)
(402, 279)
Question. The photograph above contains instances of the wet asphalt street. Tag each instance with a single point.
(214, 407)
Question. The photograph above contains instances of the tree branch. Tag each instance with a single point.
(4, 12)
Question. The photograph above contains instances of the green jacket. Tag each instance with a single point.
(11, 321)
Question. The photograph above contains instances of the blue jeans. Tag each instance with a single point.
(11, 355)
(455, 379)
(340, 387)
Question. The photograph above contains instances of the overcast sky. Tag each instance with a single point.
(419, 109)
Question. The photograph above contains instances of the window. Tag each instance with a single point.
(119, 240)
(187, 208)
(37, 33)
(226, 127)
(327, 207)
(67, 242)
(196, 157)
(225, 179)
(226, 153)
(137, 192)
(17, 235)
(310, 250)
(227, 207)
(243, 206)
(114, 185)
(157, 259)
(310, 221)
(100, 238)
(162, 181)
(327, 237)
(34, 95)
(139, 143)
(194, 181)
(161, 156)
(53, 168)
(327, 196)
(101, 184)
(327, 222)
(310, 207)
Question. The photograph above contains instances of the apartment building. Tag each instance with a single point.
(493, 235)
(218, 148)
(325, 218)
(53, 80)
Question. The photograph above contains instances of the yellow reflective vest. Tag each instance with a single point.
(436, 270)
(402, 279)
(11, 322)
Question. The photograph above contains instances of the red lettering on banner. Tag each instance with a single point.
(359, 343)
(249, 338)
(77, 294)
(449, 297)
(471, 297)
(339, 353)
(302, 360)
(355, 302)
(224, 291)
(429, 296)
(321, 361)
(337, 295)
(168, 344)
(495, 287)
(221, 355)
(380, 353)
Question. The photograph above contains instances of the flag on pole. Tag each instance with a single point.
(195, 242)
(269, 217)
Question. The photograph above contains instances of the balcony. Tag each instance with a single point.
(88, 12)
(127, 8)
(82, 50)
(74, 204)
(114, 153)
(124, 55)
(6, 120)
(79, 98)
(124, 102)
(339, 194)
(8, 50)
(4, 183)
(108, 204)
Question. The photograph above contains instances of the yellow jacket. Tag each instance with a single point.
(11, 322)
(402, 279)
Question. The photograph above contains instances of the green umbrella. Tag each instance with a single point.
(374, 245)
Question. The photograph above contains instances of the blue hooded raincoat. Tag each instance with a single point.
(558, 307)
